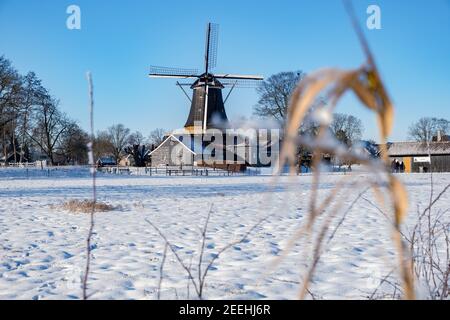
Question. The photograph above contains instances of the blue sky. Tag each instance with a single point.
(119, 40)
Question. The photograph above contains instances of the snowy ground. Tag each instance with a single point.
(42, 249)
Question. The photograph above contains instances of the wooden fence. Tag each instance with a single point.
(174, 171)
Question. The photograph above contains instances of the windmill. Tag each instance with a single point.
(207, 103)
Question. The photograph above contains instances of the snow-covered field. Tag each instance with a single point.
(42, 248)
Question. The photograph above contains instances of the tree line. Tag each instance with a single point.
(31, 123)
(118, 141)
(429, 129)
(275, 94)
(274, 98)
(33, 127)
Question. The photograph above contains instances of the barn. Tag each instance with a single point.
(228, 151)
(421, 156)
(12, 157)
(173, 152)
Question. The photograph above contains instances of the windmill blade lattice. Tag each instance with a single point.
(213, 45)
(157, 71)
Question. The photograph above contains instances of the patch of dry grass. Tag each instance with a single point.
(85, 206)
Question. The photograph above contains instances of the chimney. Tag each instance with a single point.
(439, 136)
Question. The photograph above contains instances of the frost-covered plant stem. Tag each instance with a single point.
(94, 191)
(200, 281)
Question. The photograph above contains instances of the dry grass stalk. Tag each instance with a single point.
(365, 82)
(94, 187)
(198, 281)
(161, 270)
(430, 233)
(385, 280)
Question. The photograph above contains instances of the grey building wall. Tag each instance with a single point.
(439, 163)
(172, 153)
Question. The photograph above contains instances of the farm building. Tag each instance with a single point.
(172, 152)
(12, 158)
(106, 161)
(201, 150)
(421, 156)
(126, 161)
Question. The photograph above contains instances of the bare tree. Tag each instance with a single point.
(48, 126)
(347, 128)
(140, 154)
(72, 148)
(32, 92)
(118, 136)
(10, 88)
(426, 128)
(136, 138)
(443, 126)
(102, 145)
(275, 94)
(29, 117)
(157, 137)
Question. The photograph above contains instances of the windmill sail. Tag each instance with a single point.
(207, 103)
(213, 45)
(167, 72)
(241, 83)
(237, 76)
